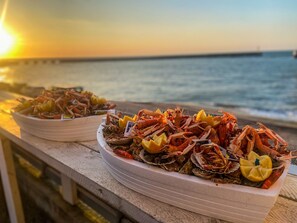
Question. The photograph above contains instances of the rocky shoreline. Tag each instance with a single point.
(25, 89)
(21, 88)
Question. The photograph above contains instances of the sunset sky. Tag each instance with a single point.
(55, 28)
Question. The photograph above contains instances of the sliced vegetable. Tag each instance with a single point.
(256, 168)
(95, 100)
(156, 144)
(209, 119)
(123, 121)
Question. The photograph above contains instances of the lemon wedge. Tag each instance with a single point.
(159, 111)
(123, 121)
(256, 168)
(156, 144)
(209, 119)
(201, 115)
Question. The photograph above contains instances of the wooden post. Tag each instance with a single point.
(9, 181)
(69, 191)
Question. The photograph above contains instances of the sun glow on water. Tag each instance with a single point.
(7, 41)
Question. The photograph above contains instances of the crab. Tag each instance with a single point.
(213, 159)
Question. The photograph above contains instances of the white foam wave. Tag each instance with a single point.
(278, 115)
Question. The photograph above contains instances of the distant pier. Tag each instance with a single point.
(6, 62)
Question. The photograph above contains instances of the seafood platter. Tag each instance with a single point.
(202, 163)
(62, 115)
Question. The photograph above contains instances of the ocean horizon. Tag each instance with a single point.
(258, 85)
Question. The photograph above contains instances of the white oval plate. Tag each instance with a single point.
(70, 130)
(229, 202)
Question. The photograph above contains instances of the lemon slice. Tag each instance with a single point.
(265, 161)
(156, 144)
(245, 163)
(201, 115)
(256, 168)
(123, 121)
(209, 119)
(255, 175)
(159, 111)
(150, 147)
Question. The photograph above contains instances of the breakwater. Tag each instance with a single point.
(6, 62)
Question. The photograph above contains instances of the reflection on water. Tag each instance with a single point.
(4, 71)
(2, 77)
(260, 85)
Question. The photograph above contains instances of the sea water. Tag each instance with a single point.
(260, 85)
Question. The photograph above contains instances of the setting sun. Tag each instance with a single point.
(6, 41)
